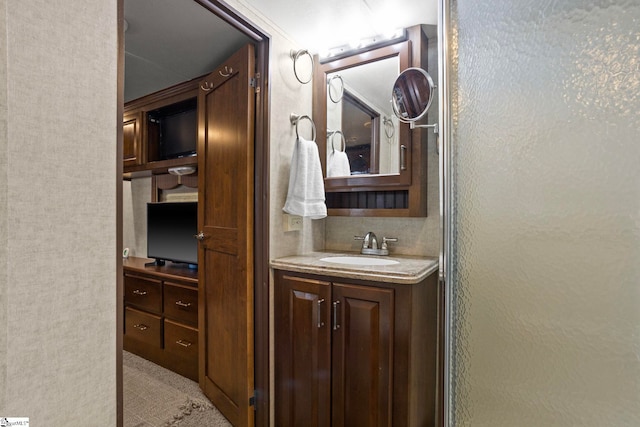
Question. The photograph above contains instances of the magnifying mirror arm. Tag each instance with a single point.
(413, 125)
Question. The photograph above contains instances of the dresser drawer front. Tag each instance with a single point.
(181, 340)
(143, 293)
(144, 327)
(181, 303)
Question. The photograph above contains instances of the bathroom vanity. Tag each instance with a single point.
(356, 344)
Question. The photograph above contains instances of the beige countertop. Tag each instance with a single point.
(409, 270)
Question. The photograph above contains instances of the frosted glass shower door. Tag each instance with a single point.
(545, 156)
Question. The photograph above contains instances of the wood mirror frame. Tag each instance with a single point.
(402, 194)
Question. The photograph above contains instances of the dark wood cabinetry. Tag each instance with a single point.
(143, 153)
(353, 353)
(131, 139)
(161, 315)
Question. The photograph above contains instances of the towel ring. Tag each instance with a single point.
(339, 97)
(331, 134)
(295, 119)
(295, 55)
(389, 127)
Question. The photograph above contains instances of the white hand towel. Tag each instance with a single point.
(338, 164)
(305, 196)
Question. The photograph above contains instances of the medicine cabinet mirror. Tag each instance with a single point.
(356, 118)
(367, 153)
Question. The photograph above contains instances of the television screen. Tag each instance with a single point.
(173, 129)
(170, 231)
(178, 134)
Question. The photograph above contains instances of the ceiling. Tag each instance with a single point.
(170, 41)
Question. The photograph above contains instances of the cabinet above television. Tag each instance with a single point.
(160, 131)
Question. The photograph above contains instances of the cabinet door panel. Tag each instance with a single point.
(131, 139)
(302, 335)
(362, 356)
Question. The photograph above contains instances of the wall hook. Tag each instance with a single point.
(227, 71)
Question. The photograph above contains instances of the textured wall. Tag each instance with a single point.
(3, 201)
(547, 203)
(57, 182)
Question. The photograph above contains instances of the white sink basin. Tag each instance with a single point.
(359, 260)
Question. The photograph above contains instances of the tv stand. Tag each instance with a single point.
(161, 314)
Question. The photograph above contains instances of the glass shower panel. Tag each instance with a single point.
(546, 247)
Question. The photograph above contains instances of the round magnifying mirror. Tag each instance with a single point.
(412, 94)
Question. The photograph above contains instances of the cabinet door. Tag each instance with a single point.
(303, 340)
(362, 374)
(132, 139)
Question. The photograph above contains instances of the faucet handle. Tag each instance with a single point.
(388, 239)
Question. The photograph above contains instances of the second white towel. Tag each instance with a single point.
(338, 164)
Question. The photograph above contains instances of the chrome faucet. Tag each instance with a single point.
(370, 241)
(370, 244)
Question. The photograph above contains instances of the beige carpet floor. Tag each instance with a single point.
(156, 397)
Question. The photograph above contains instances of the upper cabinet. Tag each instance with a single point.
(160, 130)
(374, 164)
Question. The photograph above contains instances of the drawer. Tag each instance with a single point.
(181, 303)
(181, 340)
(143, 293)
(144, 327)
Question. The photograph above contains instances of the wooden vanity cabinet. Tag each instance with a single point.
(354, 353)
(161, 315)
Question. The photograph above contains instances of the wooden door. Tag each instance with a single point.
(303, 346)
(362, 372)
(226, 107)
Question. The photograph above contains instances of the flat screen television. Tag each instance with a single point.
(171, 227)
(177, 129)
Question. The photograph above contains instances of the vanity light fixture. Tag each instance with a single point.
(362, 45)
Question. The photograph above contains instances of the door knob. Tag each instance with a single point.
(200, 236)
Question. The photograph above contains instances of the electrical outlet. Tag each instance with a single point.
(292, 222)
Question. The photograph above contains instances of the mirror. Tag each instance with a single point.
(412, 94)
(360, 120)
(361, 141)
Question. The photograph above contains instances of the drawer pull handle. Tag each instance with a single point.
(139, 292)
(183, 343)
(141, 326)
(179, 303)
(320, 322)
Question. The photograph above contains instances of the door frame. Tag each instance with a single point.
(261, 206)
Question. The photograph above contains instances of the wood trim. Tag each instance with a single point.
(175, 93)
(118, 179)
(261, 244)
